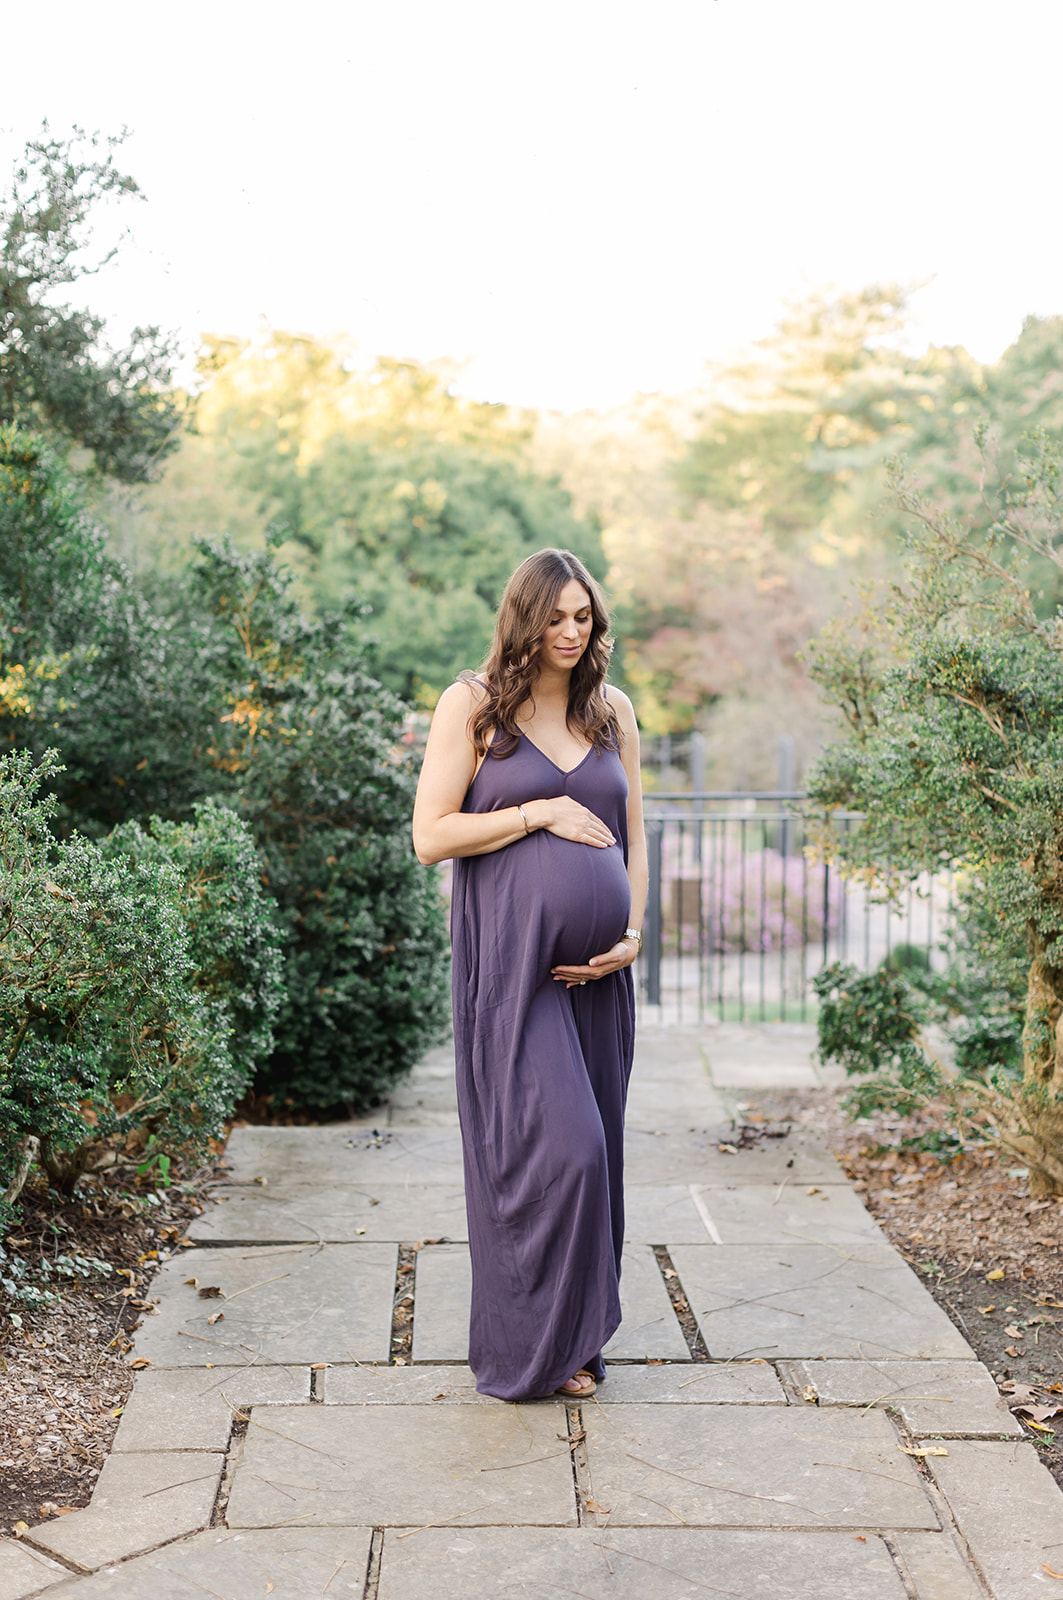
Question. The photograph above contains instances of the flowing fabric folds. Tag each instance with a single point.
(542, 1075)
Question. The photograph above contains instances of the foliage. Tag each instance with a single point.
(710, 606)
(874, 1020)
(379, 481)
(107, 1031)
(84, 658)
(427, 533)
(306, 746)
(815, 406)
(32, 1284)
(961, 759)
(232, 693)
(764, 496)
(54, 369)
(233, 937)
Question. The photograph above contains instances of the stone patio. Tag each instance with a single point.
(277, 1449)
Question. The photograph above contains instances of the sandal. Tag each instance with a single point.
(586, 1388)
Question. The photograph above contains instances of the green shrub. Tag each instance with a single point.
(875, 1024)
(107, 1031)
(234, 939)
(232, 694)
(307, 747)
(909, 958)
(97, 665)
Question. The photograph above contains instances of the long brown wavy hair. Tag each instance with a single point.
(511, 669)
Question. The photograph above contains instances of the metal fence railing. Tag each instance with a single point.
(740, 918)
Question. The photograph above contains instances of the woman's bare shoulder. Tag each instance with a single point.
(457, 703)
(621, 703)
(463, 692)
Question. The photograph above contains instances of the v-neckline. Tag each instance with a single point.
(565, 771)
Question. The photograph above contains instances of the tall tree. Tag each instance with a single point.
(821, 401)
(56, 371)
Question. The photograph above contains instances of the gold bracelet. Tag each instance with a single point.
(524, 819)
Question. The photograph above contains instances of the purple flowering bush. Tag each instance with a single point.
(737, 900)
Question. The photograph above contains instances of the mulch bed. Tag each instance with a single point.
(988, 1253)
(63, 1374)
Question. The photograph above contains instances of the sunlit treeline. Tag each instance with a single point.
(728, 523)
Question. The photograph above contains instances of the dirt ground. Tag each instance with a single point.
(964, 1220)
(64, 1375)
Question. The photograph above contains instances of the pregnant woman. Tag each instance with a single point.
(531, 784)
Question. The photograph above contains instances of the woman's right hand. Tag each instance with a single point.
(569, 820)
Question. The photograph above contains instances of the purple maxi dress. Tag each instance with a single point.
(542, 1075)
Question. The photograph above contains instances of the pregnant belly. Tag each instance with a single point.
(586, 898)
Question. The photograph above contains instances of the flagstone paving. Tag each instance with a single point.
(787, 1413)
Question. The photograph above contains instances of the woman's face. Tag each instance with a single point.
(569, 630)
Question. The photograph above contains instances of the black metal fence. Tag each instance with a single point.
(740, 917)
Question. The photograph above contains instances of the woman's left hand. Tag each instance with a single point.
(621, 955)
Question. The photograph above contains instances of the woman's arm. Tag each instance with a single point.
(442, 831)
(638, 867)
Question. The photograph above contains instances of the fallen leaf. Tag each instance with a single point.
(924, 1450)
(149, 1255)
(728, 1149)
(601, 1511)
(994, 1276)
(1010, 1350)
(814, 1189)
(319, 1366)
(21, 1528)
(265, 1184)
(1052, 1574)
(211, 1292)
(861, 1538)
(268, 1588)
(1012, 1331)
(810, 1393)
(985, 1310)
(193, 1281)
(140, 1363)
(1038, 1403)
(219, 1316)
(1040, 1426)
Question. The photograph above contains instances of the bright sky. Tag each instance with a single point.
(577, 198)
